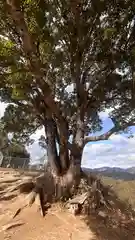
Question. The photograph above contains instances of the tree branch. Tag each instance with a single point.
(106, 135)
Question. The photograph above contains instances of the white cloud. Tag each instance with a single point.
(103, 115)
(117, 152)
(98, 149)
(35, 150)
(2, 108)
(118, 139)
(38, 133)
(70, 88)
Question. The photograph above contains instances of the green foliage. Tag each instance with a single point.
(109, 32)
(21, 122)
(14, 152)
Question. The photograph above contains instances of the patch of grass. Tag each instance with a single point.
(117, 221)
(125, 190)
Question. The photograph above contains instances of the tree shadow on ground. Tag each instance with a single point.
(112, 220)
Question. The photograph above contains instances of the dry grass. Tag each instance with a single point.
(125, 190)
(117, 221)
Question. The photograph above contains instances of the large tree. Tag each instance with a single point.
(62, 62)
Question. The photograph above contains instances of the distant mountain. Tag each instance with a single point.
(131, 170)
(115, 172)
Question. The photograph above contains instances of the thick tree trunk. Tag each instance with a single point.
(52, 152)
(58, 154)
(65, 182)
(65, 164)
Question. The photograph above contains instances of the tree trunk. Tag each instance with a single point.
(58, 154)
(66, 172)
(51, 147)
(65, 182)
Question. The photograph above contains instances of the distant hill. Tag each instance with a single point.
(116, 173)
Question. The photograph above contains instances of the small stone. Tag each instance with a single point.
(74, 209)
(102, 214)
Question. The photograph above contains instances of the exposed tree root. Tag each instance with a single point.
(17, 212)
(11, 180)
(45, 188)
(88, 198)
(24, 187)
(12, 225)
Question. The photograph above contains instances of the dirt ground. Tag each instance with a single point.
(57, 223)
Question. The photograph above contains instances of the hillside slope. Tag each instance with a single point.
(114, 172)
(116, 223)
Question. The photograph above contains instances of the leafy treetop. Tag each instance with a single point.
(49, 47)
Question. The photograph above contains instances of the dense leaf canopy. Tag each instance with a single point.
(67, 60)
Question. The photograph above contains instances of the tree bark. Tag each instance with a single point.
(65, 181)
(58, 155)
(51, 147)
(68, 183)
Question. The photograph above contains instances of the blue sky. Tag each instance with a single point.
(118, 151)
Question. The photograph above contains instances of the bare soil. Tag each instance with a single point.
(57, 223)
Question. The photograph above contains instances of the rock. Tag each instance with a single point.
(80, 199)
(74, 209)
(102, 214)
